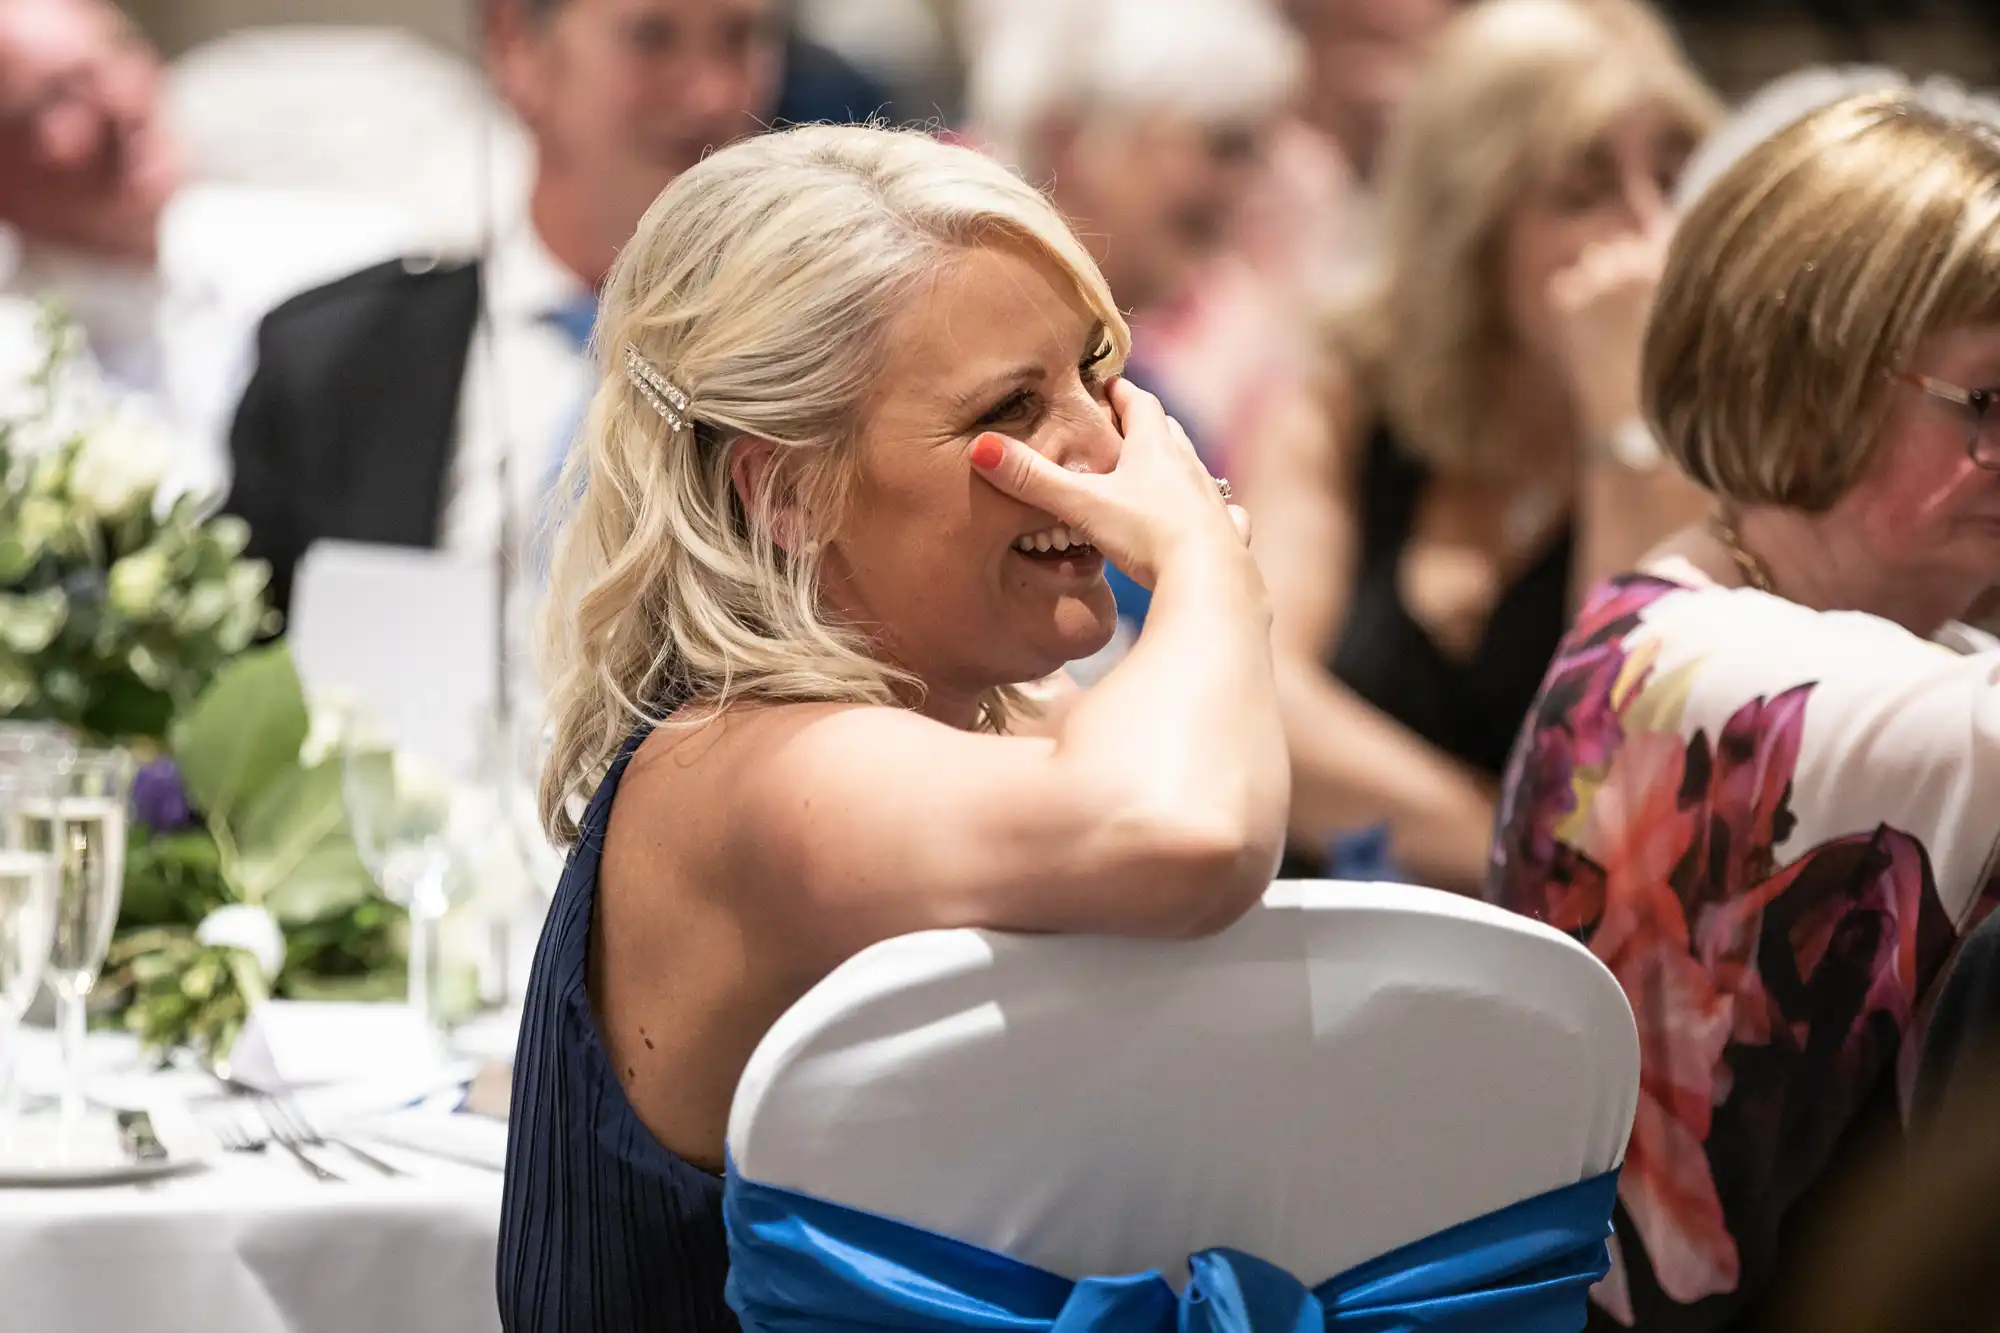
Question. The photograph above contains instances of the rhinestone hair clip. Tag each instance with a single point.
(653, 385)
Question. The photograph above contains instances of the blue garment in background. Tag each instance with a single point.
(577, 319)
(1132, 600)
(821, 87)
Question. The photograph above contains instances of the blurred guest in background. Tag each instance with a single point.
(1147, 122)
(375, 414)
(166, 277)
(1365, 58)
(1760, 779)
(1473, 458)
(1241, 341)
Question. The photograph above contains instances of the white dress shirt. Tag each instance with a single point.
(525, 390)
(526, 386)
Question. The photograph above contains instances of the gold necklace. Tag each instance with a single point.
(1755, 572)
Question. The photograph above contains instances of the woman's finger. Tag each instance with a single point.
(1136, 408)
(1012, 468)
(1241, 518)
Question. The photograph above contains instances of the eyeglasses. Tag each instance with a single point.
(1983, 446)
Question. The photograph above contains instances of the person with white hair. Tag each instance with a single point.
(1146, 120)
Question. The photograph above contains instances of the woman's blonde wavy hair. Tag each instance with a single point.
(763, 283)
(1513, 91)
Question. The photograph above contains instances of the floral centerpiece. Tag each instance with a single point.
(130, 618)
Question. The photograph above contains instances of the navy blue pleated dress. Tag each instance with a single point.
(601, 1228)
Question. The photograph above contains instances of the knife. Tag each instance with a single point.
(135, 1131)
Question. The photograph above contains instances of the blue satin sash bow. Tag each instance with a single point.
(803, 1265)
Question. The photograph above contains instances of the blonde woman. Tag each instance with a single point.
(856, 465)
(1473, 457)
(1761, 781)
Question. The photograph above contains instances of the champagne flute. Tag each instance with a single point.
(83, 828)
(524, 743)
(399, 812)
(27, 912)
(514, 747)
(41, 742)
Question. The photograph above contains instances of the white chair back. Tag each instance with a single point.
(1347, 1069)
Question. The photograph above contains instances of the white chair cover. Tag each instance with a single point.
(1348, 1069)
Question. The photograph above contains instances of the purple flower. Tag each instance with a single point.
(160, 799)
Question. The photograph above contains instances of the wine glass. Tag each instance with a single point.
(521, 747)
(82, 826)
(28, 885)
(43, 742)
(518, 884)
(399, 812)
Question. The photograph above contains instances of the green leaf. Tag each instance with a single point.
(207, 603)
(15, 559)
(122, 707)
(17, 687)
(244, 732)
(171, 879)
(388, 985)
(294, 854)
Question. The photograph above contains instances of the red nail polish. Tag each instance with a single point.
(987, 451)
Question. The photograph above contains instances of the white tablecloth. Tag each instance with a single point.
(254, 1244)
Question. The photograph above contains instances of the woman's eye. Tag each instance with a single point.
(1010, 408)
(1096, 367)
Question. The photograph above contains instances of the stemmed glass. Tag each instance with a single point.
(514, 746)
(522, 745)
(399, 811)
(82, 827)
(28, 888)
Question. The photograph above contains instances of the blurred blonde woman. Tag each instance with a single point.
(1473, 458)
(1760, 781)
(850, 494)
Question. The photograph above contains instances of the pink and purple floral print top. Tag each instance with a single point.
(1773, 824)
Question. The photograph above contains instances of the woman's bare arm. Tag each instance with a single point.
(1352, 766)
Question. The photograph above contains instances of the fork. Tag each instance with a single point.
(229, 1132)
(291, 1128)
(235, 1136)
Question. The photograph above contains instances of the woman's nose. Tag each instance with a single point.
(1085, 438)
(1646, 203)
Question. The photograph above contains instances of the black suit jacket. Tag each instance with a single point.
(346, 429)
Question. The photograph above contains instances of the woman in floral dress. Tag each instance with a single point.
(1762, 778)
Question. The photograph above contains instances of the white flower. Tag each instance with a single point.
(326, 727)
(135, 582)
(251, 929)
(120, 465)
(23, 350)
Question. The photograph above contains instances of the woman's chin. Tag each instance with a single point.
(1085, 624)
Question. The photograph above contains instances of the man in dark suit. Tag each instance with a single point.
(388, 406)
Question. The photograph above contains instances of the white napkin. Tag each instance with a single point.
(470, 1140)
(292, 1044)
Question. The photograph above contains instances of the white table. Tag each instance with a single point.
(252, 1243)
